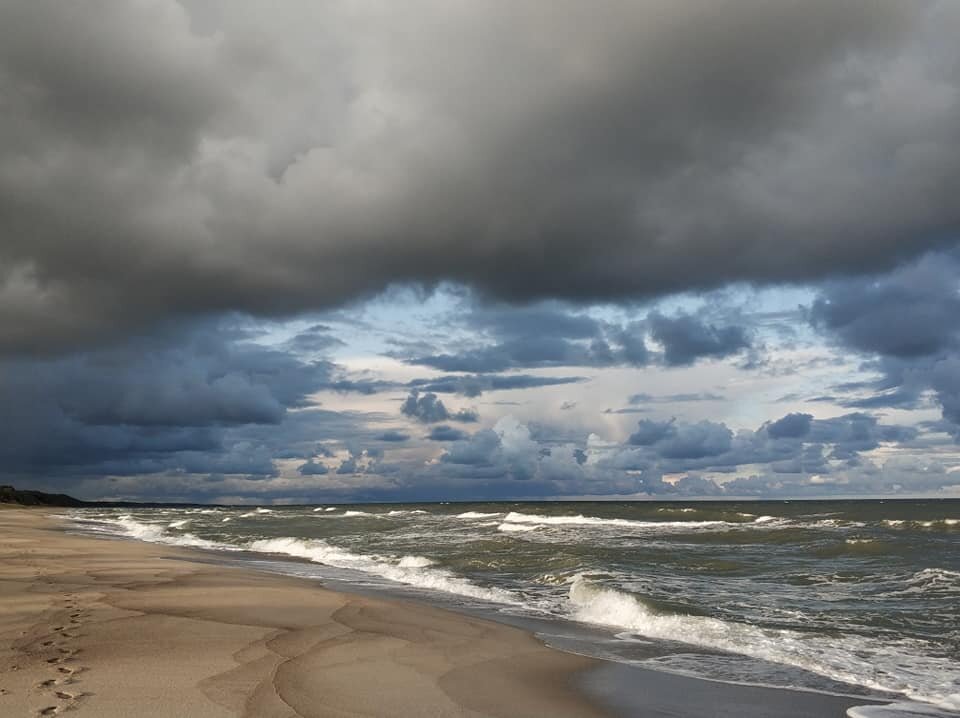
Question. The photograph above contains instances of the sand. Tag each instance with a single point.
(107, 628)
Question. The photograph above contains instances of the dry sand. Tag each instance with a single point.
(107, 628)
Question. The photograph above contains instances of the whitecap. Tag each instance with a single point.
(518, 528)
(411, 570)
(896, 666)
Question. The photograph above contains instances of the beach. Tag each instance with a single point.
(108, 627)
(119, 628)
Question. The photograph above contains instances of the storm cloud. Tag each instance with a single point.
(167, 159)
(245, 248)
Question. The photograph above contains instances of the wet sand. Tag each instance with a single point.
(108, 628)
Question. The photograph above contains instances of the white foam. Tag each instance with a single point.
(477, 515)
(893, 666)
(349, 514)
(154, 533)
(764, 519)
(263, 511)
(178, 524)
(516, 528)
(515, 517)
(940, 576)
(319, 508)
(411, 570)
(897, 710)
(414, 562)
(138, 530)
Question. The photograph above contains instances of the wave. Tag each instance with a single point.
(178, 524)
(476, 515)
(852, 660)
(515, 517)
(937, 581)
(155, 533)
(515, 528)
(947, 523)
(250, 514)
(416, 571)
(897, 710)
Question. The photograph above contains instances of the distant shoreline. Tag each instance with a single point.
(28, 497)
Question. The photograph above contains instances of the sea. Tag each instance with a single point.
(856, 598)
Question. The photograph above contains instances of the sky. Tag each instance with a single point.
(339, 251)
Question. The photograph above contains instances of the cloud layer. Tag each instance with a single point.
(164, 159)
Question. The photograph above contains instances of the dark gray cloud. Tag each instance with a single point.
(446, 433)
(795, 443)
(791, 426)
(313, 468)
(907, 325)
(696, 441)
(169, 159)
(549, 335)
(826, 459)
(195, 399)
(686, 338)
(393, 436)
(429, 409)
(534, 351)
(650, 432)
(911, 312)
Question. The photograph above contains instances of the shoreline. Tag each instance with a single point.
(113, 628)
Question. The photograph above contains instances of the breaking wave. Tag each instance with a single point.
(515, 517)
(155, 533)
(412, 570)
(852, 659)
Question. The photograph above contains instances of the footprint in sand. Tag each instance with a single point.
(66, 654)
(68, 701)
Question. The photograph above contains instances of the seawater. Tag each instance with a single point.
(858, 597)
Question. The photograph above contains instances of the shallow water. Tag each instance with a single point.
(844, 596)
